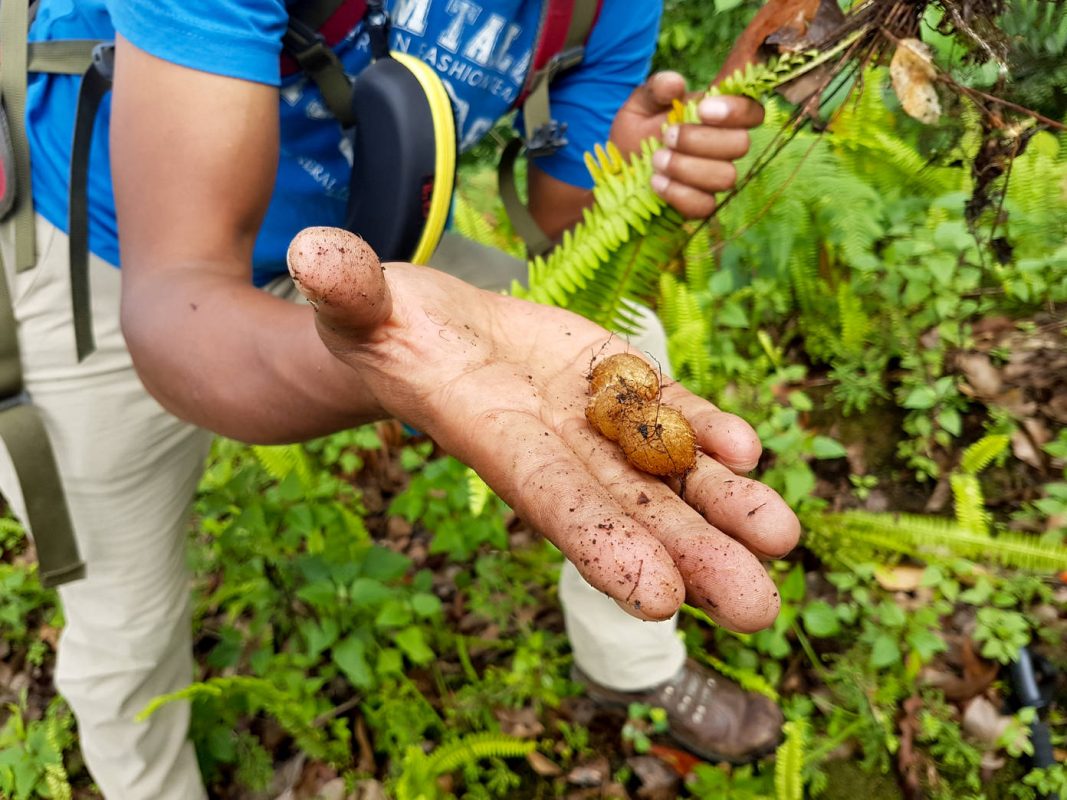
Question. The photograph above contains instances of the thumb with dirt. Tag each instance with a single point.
(343, 280)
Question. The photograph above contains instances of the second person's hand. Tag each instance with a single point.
(697, 160)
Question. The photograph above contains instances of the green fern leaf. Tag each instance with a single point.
(614, 256)
(970, 503)
(929, 538)
(982, 453)
(477, 746)
(297, 715)
(478, 492)
(280, 461)
(789, 761)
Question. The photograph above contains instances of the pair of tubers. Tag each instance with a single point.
(625, 407)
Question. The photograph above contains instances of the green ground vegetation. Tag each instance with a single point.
(370, 616)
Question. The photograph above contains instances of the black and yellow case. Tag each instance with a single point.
(404, 159)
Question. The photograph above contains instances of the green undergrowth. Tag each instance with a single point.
(365, 602)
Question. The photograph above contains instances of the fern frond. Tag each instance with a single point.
(55, 773)
(928, 538)
(970, 503)
(747, 679)
(468, 222)
(280, 461)
(294, 715)
(981, 454)
(699, 259)
(478, 492)
(688, 335)
(789, 761)
(614, 256)
(454, 755)
(855, 324)
(419, 774)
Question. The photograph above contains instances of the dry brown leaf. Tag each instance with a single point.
(980, 373)
(983, 721)
(520, 722)
(681, 761)
(369, 790)
(901, 578)
(1022, 447)
(912, 72)
(594, 773)
(658, 781)
(543, 765)
(908, 758)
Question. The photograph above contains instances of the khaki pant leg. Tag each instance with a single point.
(610, 646)
(129, 470)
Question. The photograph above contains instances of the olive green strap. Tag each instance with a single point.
(24, 435)
(536, 110)
(27, 443)
(13, 47)
(66, 57)
(318, 60)
(537, 241)
(543, 135)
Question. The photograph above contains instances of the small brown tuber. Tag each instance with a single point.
(625, 407)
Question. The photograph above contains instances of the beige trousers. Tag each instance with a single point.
(130, 471)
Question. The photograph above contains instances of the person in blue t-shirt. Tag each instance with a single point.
(209, 158)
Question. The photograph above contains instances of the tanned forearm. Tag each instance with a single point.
(222, 354)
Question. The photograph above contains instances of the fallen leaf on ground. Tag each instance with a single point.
(901, 578)
(543, 765)
(681, 761)
(983, 721)
(912, 73)
(658, 780)
(591, 774)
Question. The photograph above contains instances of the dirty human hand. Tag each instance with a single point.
(697, 159)
(501, 384)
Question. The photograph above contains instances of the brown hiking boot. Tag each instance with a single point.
(710, 716)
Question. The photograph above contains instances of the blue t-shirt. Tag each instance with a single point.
(481, 49)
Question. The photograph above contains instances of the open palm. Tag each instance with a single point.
(501, 384)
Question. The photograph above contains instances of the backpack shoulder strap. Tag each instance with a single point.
(306, 43)
(560, 45)
(565, 26)
(21, 425)
(14, 47)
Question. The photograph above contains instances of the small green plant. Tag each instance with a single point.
(32, 753)
(461, 514)
(642, 723)
(1048, 781)
(1001, 634)
(419, 771)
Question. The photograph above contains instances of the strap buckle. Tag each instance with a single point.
(378, 26)
(307, 46)
(104, 60)
(565, 59)
(547, 139)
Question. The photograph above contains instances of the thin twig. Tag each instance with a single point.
(974, 94)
